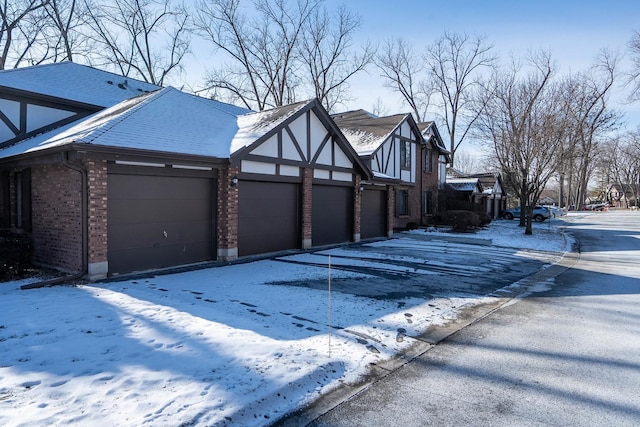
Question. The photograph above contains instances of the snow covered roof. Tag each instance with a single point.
(465, 184)
(252, 126)
(75, 82)
(167, 120)
(365, 131)
(428, 130)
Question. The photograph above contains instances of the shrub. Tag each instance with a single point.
(16, 251)
(462, 220)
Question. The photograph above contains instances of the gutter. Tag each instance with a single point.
(85, 236)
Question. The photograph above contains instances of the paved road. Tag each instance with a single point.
(569, 355)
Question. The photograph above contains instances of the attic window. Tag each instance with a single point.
(405, 154)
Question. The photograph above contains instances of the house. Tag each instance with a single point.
(464, 193)
(405, 168)
(621, 195)
(154, 177)
(484, 190)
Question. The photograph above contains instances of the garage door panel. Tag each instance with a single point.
(332, 215)
(373, 218)
(159, 210)
(131, 259)
(159, 187)
(268, 217)
(159, 221)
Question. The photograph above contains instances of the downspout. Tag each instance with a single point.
(85, 236)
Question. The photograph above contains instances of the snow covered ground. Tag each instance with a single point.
(219, 346)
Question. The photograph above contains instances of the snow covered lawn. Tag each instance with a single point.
(221, 346)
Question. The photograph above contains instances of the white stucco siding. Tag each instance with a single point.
(317, 131)
(286, 170)
(249, 166)
(5, 133)
(289, 150)
(269, 148)
(341, 158)
(321, 174)
(11, 109)
(342, 176)
(325, 157)
(39, 116)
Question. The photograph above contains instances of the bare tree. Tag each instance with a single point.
(65, 35)
(262, 51)
(145, 39)
(325, 49)
(404, 72)
(456, 63)
(20, 30)
(524, 120)
(634, 73)
(468, 163)
(591, 120)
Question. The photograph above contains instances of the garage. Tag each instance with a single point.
(332, 213)
(268, 217)
(373, 218)
(159, 221)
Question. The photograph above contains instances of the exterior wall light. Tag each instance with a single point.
(234, 181)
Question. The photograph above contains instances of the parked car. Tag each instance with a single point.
(556, 211)
(540, 213)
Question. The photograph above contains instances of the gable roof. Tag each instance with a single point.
(430, 131)
(367, 132)
(74, 82)
(256, 127)
(166, 120)
(465, 184)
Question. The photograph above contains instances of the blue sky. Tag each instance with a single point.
(574, 31)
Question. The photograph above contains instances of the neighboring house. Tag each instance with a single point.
(623, 195)
(166, 178)
(488, 196)
(405, 169)
(465, 192)
(495, 194)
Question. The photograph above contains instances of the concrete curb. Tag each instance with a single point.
(428, 340)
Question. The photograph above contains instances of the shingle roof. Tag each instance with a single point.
(253, 125)
(167, 120)
(75, 82)
(366, 132)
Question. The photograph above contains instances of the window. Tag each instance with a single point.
(402, 202)
(427, 160)
(427, 208)
(405, 154)
(23, 199)
(5, 207)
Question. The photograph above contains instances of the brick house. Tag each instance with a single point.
(407, 161)
(130, 177)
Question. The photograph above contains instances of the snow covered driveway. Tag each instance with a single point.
(242, 344)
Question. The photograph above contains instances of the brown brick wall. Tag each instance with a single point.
(56, 210)
(357, 206)
(227, 210)
(307, 204)
(97, 210)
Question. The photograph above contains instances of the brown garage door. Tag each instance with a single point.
(332, 212)
(159, 221)
(373, 218)
(268, 217)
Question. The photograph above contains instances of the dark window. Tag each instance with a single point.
(427, 208)
(23, 199)
(405, 154)
(5, 199)
(427, 160)
(402, 202)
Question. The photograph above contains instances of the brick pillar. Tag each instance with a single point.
(227, 215)
(391, 207)
(307, 203)
(98, 265)
(357, 208)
